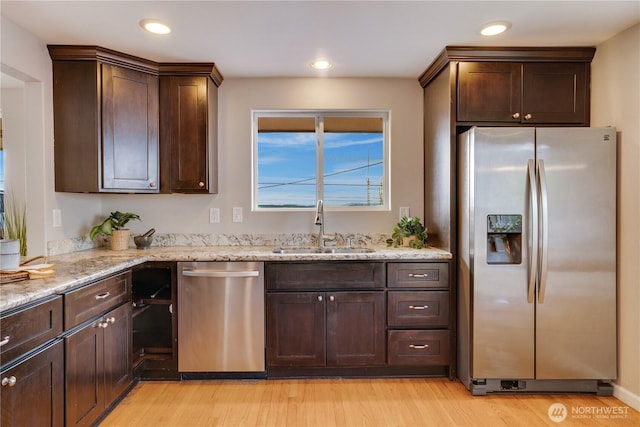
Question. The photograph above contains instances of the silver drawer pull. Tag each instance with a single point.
(4, 341)
(419, 346)
(103, 296)
(419, 276)
(10, 381)
(418, 307)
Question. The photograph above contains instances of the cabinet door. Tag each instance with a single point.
(33, 390)
(84, 377)
(296, 329)
(118, 371)
(555, 93)
(130, 157)
(355, 328)
(187, 131)
(489, 92)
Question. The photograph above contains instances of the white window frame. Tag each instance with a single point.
(386, 167)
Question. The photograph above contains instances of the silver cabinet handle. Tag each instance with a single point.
(4, 341)
(10, 381)
(220, 273)
(419, 276)
(111, 320)
(332, 298)
(201, 184)
(516, 115)
(528, 116)
(419, 346)
(152, 184)
(103, 296)
(320, 298)
(418, 307)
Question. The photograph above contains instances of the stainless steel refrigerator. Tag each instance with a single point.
(537, 259)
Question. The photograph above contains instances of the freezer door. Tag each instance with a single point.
(576, 311)
(502, 318)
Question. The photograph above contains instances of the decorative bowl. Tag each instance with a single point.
(143, 242)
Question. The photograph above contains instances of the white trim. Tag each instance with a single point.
(626, 396)
(384, 114)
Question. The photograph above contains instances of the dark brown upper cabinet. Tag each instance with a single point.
(188, 128)
(528, 93)
(487, 86)
(112, 133)
(105, 109)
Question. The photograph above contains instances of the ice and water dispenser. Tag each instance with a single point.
(504, 239)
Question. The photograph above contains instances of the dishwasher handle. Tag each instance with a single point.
(220, 273)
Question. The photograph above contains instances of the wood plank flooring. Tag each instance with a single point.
(352, 403)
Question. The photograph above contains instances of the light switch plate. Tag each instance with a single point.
(214, 215)
(237, 214)
(405, 211)
(57, 218)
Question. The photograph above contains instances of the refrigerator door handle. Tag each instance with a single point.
(533, 250)
(544, 230)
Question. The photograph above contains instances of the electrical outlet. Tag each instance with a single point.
(405, 211)
(237, 214)
(57, 218)
(214, 215)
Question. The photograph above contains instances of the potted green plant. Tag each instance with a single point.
(13, 223)
(113, 226)
(408, 232)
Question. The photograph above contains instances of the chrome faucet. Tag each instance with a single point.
(322, 238)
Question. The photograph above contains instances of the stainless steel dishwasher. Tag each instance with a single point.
(221, 318)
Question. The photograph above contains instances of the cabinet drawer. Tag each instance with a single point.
(319, 276)
(89, 301)
(23, 330)
(418, 275)
(418, 309)
(409, 348)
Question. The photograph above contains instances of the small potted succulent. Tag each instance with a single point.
(113, 226)
(409, 232)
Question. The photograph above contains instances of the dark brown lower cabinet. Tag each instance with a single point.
(98, 366)
(317, 329)
(33, 390)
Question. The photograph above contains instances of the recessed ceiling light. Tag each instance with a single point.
(155, 26)
(495, 28)
(321, 64)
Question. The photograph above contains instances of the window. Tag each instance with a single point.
(340, 157)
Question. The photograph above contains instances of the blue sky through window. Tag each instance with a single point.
(353, 169)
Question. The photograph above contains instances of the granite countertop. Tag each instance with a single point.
(79, 268)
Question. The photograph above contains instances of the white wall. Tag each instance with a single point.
(26, 58)
(615, 101)
(237, 97)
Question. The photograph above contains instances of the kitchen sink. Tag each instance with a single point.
(285, 251)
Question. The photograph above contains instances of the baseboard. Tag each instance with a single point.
(626, 396)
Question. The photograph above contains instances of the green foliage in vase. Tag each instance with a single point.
(409, 226)
(116, 221)
(15, 223)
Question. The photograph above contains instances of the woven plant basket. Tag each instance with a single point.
(119, 240)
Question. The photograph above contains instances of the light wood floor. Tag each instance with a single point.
(352, 403)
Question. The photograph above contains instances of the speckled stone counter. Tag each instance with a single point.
(79, 268)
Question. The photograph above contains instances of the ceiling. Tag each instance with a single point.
(281, 38)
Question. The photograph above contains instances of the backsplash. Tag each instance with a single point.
(59, 247)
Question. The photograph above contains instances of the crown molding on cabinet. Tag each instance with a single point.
(505, 54)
